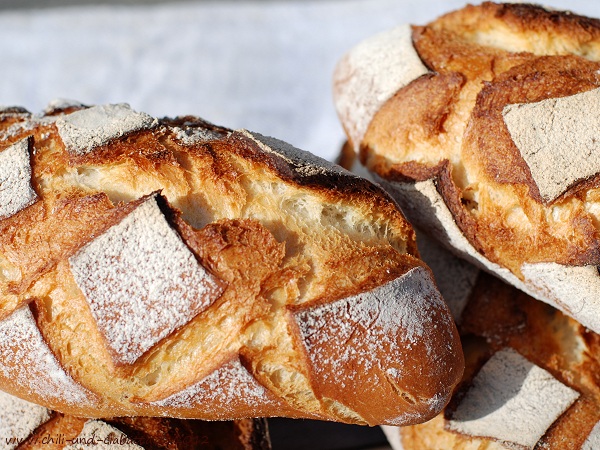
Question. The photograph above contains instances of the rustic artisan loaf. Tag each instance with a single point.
(531, 378)
(26, 426)
(175, 268)
(483, 124)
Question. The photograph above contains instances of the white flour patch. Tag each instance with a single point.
(99, 435)
(84, 130)
(196, 135)
(370, 74)
(141, 282)
(59, 104)
(511, 400)
(302, 162)
(19, 419)
(16, 192)
(593, 440)
(559, 139)
(227, 386)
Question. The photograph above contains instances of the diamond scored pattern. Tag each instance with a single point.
(141, 282)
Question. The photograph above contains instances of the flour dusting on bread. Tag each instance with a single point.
(559, 139)
(592, 442)
(371, 73)
(150, 306)
(342, 334)
(22, 346)
(511, 400)
(229, 385)
(141, 282)
(84, 130)
(19, 419)
(16, 191)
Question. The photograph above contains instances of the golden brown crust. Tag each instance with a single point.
(483, 58)
(270, 228)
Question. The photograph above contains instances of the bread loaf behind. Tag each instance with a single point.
(493, 150)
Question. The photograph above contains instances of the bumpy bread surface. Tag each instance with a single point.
(448, 125)
(319, 305)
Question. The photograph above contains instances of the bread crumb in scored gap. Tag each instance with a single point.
(141, 282)
(559, 139)
(16, 192)
(511, 400)
(86, 129)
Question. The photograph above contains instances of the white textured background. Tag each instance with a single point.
(261, 65)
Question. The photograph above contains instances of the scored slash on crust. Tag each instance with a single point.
(141, 282)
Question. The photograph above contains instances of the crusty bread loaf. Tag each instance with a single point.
(175, 268)
(486, 133)
(26, 426)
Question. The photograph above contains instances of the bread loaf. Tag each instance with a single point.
(176, 268)
(25, 426)
(482, 124)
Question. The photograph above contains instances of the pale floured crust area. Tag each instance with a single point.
(19, 419)
(15, 179)
(368, 75)
(336, 334)
(510, 85)
(553, 133)
(160, 260)
(506, 385)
